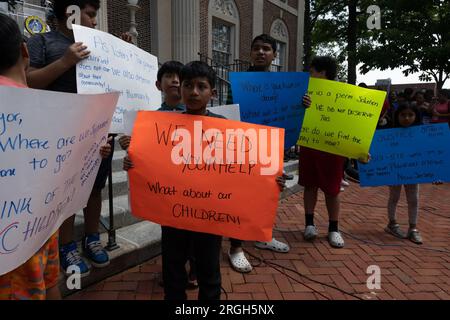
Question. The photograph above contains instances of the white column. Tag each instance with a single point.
(258, 14)
(102, 16)
(300, 34)
(185, 30)
(4, 7)
(161, 11)
(133, 7)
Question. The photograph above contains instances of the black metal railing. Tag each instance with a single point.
(109, 224)
(223, 78)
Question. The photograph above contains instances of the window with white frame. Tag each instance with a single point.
(223, 17)
(280, 62)
(221, 42)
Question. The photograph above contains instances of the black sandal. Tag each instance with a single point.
(414, 236)
(395, 230)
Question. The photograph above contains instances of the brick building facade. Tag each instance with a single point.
(219, 30)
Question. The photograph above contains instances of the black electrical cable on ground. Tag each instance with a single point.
(269, 263)
(275, 265)
(224, 291)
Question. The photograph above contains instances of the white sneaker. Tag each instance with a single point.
(344, 183)
(310, 233)
(335, 239)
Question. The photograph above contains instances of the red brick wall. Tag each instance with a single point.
(119, 21)
(143, 18)
(271, 13)
(245, 8)
(204, 27)
(293, 3)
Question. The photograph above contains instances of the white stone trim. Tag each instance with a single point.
(258, 17)
(285, 6)
(160, 10)
(102, 16)
(280, 32)
(300, 35)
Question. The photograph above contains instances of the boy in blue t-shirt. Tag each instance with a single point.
(168, 82)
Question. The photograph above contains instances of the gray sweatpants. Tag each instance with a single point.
(412, 197)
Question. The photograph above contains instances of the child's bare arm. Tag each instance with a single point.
(43, 77)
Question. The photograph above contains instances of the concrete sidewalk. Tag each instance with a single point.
(315, 270)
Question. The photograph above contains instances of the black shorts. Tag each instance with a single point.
(103, 171)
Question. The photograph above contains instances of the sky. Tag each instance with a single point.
(396, 75)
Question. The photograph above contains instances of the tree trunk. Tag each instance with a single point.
(308, 36)
(352, 39)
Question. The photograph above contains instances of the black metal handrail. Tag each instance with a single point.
(109, 225)
(223, 80)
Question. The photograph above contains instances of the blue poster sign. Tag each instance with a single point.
(419, 154)
(272, 99)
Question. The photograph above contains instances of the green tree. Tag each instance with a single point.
(315, 10)
(415, 36)
(339, 32)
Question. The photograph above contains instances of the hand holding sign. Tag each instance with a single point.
(117, 66)
(74, 54)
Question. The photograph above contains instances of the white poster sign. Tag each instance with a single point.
(231, 112)
(115, 65)
(49, 151)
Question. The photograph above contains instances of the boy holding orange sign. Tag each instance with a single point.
(197, 89)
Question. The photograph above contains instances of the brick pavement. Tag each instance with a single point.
(408, 271)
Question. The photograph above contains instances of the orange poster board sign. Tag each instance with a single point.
(206, 174)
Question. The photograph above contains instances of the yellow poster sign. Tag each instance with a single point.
(342, 118)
